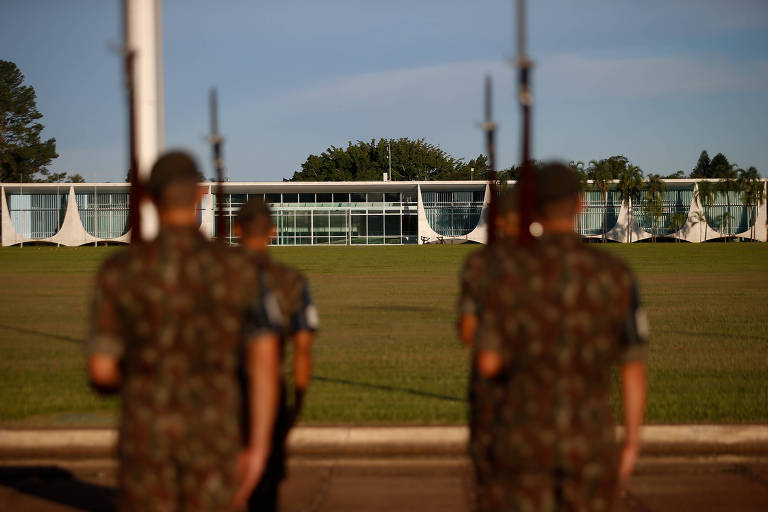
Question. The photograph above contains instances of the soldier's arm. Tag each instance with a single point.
(105, 343)
(633, 387)
(305, 323)
(262, 362)
(488, 361)
(634, 384)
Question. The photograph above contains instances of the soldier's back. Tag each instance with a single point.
(557, 314)
(181, 300)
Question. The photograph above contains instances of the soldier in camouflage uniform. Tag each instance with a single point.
(559, 316)
(171, 320)
(254, 227)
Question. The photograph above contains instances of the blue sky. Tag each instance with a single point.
(655, 80)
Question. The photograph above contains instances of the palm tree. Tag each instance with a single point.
(726, 219)
(751, 193)
(706, 196)
(601, 175)
(630, 183)
(676, 221)
(726, 185)
(655, 189)
(583, 184)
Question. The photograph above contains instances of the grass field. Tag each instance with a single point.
(387, 351)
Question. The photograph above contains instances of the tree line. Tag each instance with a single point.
(419, 160)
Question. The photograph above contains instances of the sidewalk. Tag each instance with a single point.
(392, 441)
(660, 484)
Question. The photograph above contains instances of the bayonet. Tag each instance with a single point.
(216, 141)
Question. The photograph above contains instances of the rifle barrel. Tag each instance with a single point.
(218, 165)
(490, 141)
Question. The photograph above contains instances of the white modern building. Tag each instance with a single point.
(370, 213)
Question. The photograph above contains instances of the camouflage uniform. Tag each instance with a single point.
(561, 315)
(297, 313)
(177, 312)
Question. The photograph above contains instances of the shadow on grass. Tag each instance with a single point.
(59, 486)
(23, 330)
(380, 387)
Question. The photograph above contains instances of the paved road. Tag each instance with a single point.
(675, 484)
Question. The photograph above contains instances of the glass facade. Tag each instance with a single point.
(727, 214)
(350, 213)
(453, 213)
(334, 218)
(37, 214)
(598, 213)
(675, 204)
(104, 214)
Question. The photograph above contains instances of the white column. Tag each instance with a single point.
(143, 36)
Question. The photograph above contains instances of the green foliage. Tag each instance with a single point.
(411, 160)
(601, 172)
(23, 156)
(721, 168)
(702, 166)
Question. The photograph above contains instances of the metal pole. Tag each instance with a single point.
(527, 192)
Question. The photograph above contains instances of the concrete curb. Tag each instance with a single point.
(391, 441)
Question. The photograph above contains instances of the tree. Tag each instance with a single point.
(676, 222)
(654, 201)
(630, 184)
(702, 166)
(23, 156)
(411, 160)
(721, 167)
(676, 175)
(727, 184)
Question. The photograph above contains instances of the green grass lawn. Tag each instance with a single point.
(387, 351)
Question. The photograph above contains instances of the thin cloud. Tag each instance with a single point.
(579, 77)
(562, 77)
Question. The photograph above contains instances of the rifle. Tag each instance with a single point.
(216, 141)
(527, 192)
(490, 144)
